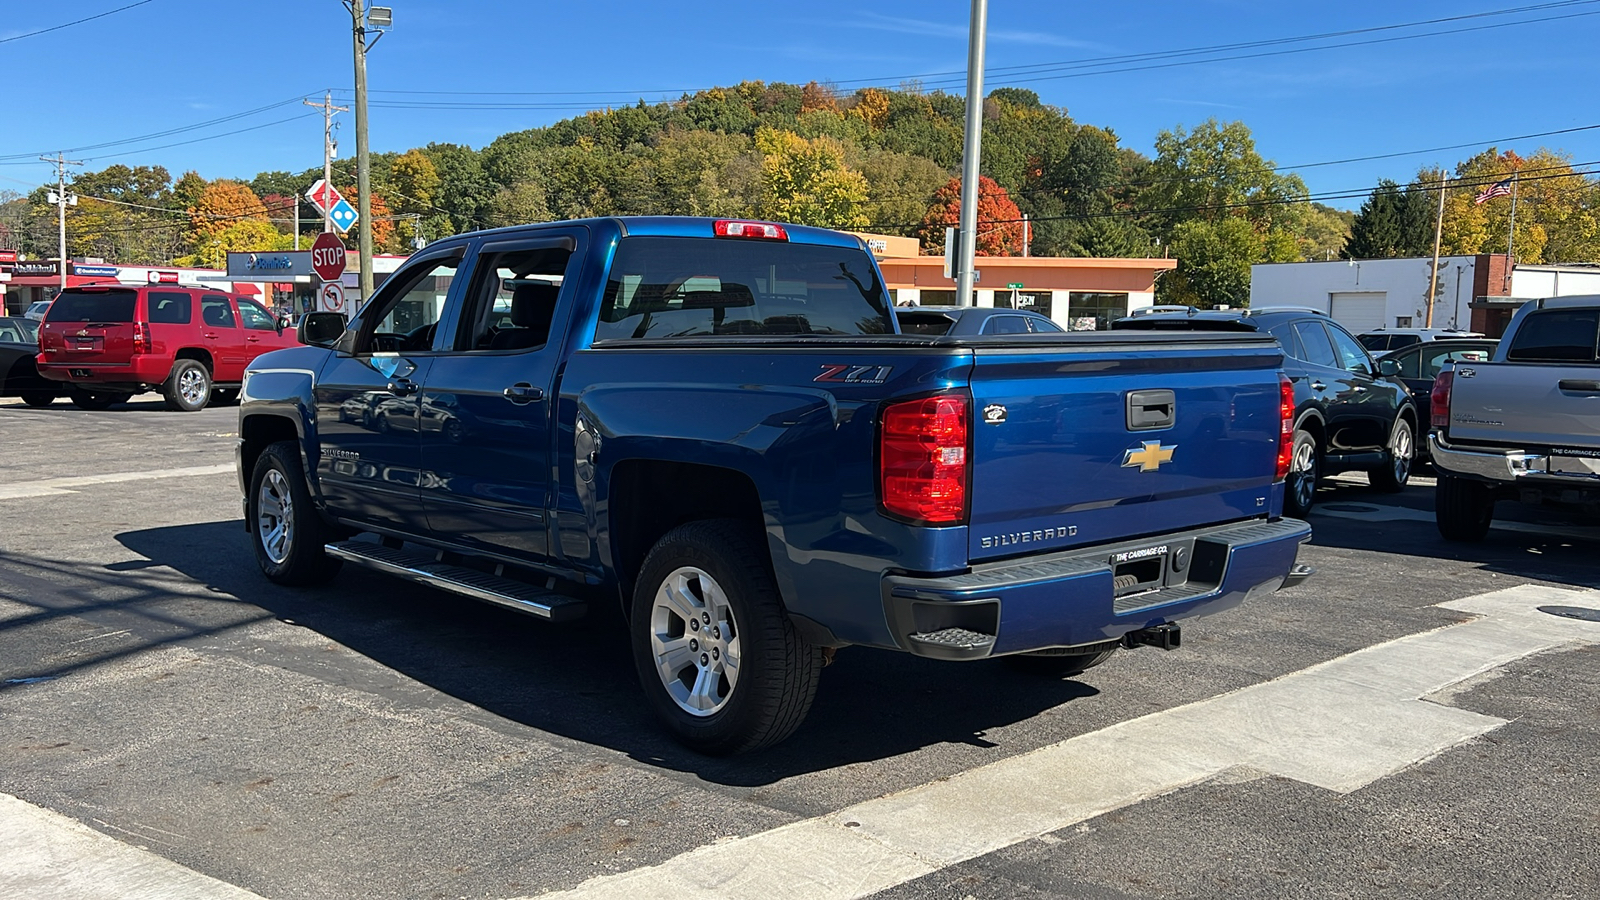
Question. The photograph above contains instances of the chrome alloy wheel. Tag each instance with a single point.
(275, 516)
(192, 385)
(1401, 453)
(1303, 473)
(695, 641)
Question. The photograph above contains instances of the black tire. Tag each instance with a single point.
(1398, 459)
(1305, 467)
(1057, 665)
(777, 670)
(188, 387)
(300, 559)
(1462, 509)
(39, 399)
(224, 396)
(92, 401)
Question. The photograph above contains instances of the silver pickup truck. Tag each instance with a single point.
(1524, 426)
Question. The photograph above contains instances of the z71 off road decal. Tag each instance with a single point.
(834, 373)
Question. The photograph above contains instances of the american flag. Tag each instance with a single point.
(1498, 189)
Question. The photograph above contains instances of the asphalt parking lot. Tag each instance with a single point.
(167, 712)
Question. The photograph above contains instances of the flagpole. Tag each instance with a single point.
(1438, 233)
(1511, 236)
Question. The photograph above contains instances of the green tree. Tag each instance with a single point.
(1376, 232)
(808, 182)
(1214, 260)
(1213, 173)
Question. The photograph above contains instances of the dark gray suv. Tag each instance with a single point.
(1351, 412)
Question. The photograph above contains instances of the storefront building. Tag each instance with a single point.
(35, 280)
(1079, 294)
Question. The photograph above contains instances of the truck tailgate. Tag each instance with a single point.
(1545, 405)
(1081, 439)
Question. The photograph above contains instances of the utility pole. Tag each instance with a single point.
(329, 148)
(1438, 233)
(62, 199)
(1027, 234)
(358, 19)
(1511, 234)
(971, 153)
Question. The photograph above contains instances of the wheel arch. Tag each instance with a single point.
(257, 433)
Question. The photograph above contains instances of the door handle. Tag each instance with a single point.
(523, 392)
(1579, 387)
(1318, 386)
(1356, 388)
(402, 387)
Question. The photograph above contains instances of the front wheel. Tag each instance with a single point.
(720, 663)
(1392, 476)
(286, 532)
(1305, 465)
(1462, 509)
(188, 388)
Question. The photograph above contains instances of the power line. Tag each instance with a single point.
(109, 12)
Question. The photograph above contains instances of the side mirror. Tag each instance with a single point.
(281, 323)
(321, 329)
(1388, 368)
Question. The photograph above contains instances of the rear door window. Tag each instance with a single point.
(216, 311)
(1006, 325)
(924, 322)
(1314, 341)
(84, 307)
(169, 307)
(1045, 326)
(675, 287)
(1558, 335)
(1286, 339)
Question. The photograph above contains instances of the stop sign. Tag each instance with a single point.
(327, 256)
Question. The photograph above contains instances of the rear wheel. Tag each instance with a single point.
(1058, 665)
(38, 398)
(286, 532)
(224, 396)
(93, 401)
(1396, 469)
(1462, 509)
(188, 388)
(720, 663)
(1305, 465)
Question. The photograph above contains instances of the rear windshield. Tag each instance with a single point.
(1559, 335)
(99, 306)
(925, 322)
(1374, 341)
(671, 287)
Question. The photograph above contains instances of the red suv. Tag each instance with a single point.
(192, 344)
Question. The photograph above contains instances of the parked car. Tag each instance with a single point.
(1420, 364)
(19, 377)
(1523, 426)
(717, 427)
(1380, 341)
(191, 343)
(969, 320)
(1350, 413)
(36, 311)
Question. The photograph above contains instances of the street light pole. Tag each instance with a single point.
(971, 154)
(363, 160)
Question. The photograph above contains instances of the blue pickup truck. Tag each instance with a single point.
(718, 426)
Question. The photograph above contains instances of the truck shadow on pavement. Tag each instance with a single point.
(576, 680)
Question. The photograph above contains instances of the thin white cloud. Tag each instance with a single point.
(922, 27)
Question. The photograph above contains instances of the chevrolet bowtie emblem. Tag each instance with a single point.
(1148, 457)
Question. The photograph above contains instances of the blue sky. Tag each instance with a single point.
(170, 64)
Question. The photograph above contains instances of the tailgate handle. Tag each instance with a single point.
(1148, 410)
(1580, 387)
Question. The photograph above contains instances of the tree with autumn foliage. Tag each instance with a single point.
(999, 220)
(228, 217)
(808, 182)
(1556, 209)
(384, 238)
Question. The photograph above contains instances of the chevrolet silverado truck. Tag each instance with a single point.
(717, 427)
(1524, 426)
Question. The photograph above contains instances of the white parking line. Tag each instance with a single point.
(48, 856)
(1339, 725)
(47, 487)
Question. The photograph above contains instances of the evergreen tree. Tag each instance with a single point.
(1376, 232)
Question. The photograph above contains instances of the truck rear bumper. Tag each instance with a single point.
(1505, 466)
(1074, 599)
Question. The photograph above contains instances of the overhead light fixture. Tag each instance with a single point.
(380, 16)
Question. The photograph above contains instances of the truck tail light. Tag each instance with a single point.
(1285, 426)
(922, 460)
(1439, 399)
(761, 231)
(141, 338)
